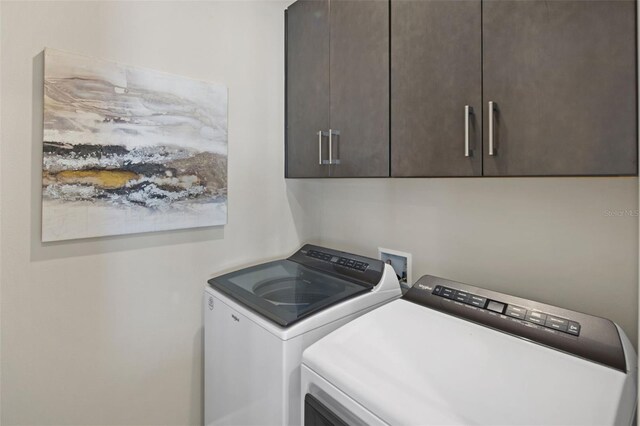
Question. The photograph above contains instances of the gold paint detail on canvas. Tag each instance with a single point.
(102, 178)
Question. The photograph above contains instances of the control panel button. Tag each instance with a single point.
(516, 312)
(343, 261)
(556, 323)
(477, 301)
(437, 290)
(461, 296)
(447, 292)
(536, 317)
(573, 328)
(495, 306)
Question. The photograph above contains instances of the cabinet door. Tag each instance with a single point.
(562, 75)
(360, 87)
(436, 66)
(307, 88)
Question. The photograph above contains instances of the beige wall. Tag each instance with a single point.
(109, 330)
(548, 239)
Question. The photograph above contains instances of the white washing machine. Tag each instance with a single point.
(259, 320)
(449, 353)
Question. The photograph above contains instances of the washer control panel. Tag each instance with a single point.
(586, 336)
(359, 269)
(514, 311)
(342, 261)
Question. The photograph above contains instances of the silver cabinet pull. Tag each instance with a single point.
(320, 147)
(334, 133)
(330, 146)
(321, 135)
(468, 110)
(331, 133)
(492, 108)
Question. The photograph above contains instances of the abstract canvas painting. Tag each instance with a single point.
(127, 150)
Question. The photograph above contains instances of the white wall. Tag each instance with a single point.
(548, 239)
(108, 331)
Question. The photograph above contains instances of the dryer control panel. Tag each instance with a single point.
(586, 336)
(514, 311)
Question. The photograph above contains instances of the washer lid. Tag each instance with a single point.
(285, 291)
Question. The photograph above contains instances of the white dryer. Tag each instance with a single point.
(449, 353)
(259, 320)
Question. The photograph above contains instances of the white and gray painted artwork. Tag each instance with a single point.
(129, 150)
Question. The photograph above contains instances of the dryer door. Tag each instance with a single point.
(318, 414)
(324, 404)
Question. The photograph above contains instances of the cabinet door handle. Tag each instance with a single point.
(468, 111)
(331, 159)
(321, 135)
(320, 147)
(330, 146)
(492, 108)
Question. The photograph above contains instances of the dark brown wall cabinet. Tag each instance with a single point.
(436, 88)
(477, 88)
(562, 79)
(337, 82)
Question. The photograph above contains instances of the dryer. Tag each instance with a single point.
(259, 320)
(450, 353)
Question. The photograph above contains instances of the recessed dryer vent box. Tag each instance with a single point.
(401, 263)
